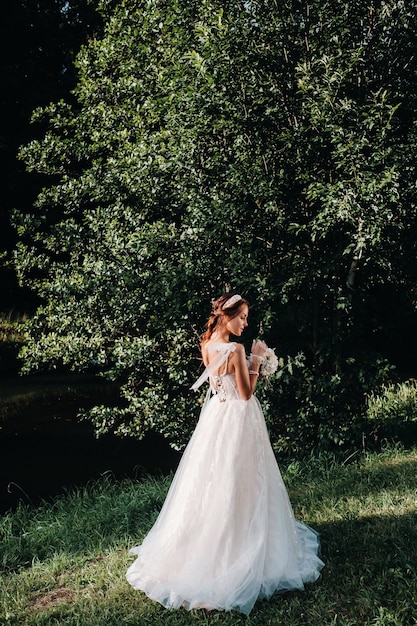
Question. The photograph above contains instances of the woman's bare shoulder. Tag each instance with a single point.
(239, 349)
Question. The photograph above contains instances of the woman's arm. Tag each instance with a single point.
(204, 355)
(246, 379)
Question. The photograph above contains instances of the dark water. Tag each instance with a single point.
(45, 450)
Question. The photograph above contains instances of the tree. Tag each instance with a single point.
(255, 145)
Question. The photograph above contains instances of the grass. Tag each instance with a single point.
(64, 562)
(11, 324)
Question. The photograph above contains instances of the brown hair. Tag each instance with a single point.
(220, 315)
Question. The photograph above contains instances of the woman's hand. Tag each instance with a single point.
(258, 350)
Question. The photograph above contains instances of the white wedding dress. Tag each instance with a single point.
(226, 534)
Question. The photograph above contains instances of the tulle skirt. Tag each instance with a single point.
(226, 534)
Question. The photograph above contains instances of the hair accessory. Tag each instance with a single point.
(231, 301)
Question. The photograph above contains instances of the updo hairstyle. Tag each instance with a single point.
(223, 309)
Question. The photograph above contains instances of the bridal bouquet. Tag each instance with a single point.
(269, 365)
(269, 360)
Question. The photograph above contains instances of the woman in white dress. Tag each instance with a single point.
(226, 534)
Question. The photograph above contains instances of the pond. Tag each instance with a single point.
(45, 450)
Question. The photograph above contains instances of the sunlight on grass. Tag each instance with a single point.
(65, 562)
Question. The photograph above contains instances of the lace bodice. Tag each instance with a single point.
(221, 383)
(224, 386)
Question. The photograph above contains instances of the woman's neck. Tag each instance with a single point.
(222, 337)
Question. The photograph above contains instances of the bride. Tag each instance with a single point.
(226, 534)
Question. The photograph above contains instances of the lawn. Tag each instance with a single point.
(64, 562)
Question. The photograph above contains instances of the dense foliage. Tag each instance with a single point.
(261, 146)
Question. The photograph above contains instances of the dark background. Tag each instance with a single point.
(38, 44)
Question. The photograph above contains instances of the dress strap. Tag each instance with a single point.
(222, 356)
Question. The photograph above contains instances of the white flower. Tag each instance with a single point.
(270, 364)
